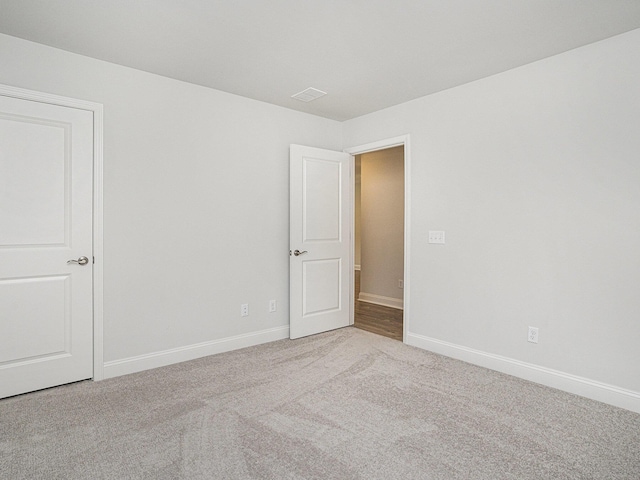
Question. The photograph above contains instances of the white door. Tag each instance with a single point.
(320, 240)
(46, 162)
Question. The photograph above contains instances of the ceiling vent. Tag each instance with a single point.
(309, 94)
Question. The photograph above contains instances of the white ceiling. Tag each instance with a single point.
(367, 54)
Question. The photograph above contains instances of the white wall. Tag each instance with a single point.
(534, 174)
(382, 226)
(195, 201)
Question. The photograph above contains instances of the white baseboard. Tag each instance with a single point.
(356, 267)
(602, 392)
(191, 352)
(381, 300)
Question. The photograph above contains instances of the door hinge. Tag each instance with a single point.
(94, 260)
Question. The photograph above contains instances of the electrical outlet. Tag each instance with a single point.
(533, 335)
(244, 310)
(273, 306)
(400, 283)
(436, 236)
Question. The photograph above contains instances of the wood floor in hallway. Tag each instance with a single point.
(385, 321)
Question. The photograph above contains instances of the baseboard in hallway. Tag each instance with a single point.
(378, 319)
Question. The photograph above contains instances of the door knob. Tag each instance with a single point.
(80, 261)
(297, 253)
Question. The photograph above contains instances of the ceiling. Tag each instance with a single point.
(366, 54)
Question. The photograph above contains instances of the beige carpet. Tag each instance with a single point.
(342, 405)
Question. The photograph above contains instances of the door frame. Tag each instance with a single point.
(402, 140)
(97, 210)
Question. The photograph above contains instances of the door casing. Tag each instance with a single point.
(97, 207)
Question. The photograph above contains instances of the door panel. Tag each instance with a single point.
(321, 286)
(46, 313)
(30, 337)
(321, 200)
(320, 228)
(34, 197)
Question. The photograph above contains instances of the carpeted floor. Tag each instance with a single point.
(341, 405)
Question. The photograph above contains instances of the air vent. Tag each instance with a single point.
(309, 94)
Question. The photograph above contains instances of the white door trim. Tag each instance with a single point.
(372, 147)
(96, 109)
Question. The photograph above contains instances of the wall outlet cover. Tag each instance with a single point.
(436, 236)
(533, 335)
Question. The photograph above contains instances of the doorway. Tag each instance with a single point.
(322, 285)
(380, 250)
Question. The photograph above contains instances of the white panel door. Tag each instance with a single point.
(46, 319)
(320, 240)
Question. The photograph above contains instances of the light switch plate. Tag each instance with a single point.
(436, 236)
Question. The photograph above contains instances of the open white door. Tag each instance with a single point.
(320, 240)
(46, 304)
